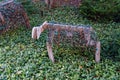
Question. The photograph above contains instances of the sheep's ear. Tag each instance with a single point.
(45, 22)
(34, 33)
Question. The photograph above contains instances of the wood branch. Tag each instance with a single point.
(3, 3)
(34, 32)
(57, 3)
(47, 25)
(97, 53)
(2, 18)
(12, 14)
(50, 53)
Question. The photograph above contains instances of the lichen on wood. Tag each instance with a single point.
(12, 15)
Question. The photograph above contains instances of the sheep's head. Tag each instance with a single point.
(36, 31)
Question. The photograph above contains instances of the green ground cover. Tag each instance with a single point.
(22, 58)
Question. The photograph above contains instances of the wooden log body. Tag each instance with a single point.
(68, 34)
(56, 3)
(12, 14)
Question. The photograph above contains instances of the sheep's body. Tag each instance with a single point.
(72, 35)
(56, 3)
(68, 35)
(12, 14)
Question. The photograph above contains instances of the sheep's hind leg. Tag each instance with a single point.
(97, 53)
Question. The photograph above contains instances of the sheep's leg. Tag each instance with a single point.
(2, 18)
(49, 45)
(50, 53)
(26, 19)
(49, 3)
(97, 53)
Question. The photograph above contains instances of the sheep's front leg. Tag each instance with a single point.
(97, 53)
(26, 19)
(49, 45)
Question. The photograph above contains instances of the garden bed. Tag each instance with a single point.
(21, 57)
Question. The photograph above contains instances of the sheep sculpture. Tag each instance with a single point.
(12, 14)
(75, 35)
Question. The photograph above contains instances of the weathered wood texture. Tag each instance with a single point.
(70, 35)
(57, 3)
(12, 15)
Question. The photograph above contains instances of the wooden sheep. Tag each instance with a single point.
(79, 35)
(12, 14)
(56, 3)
